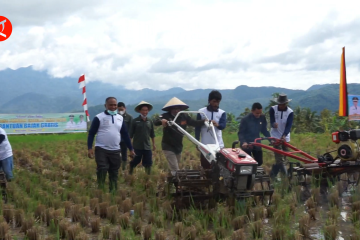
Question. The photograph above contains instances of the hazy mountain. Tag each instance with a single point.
(27, 91)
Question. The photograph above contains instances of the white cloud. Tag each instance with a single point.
(189, 44)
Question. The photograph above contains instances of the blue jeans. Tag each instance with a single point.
(6, 165)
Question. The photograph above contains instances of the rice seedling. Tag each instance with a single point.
(75, 213)
(257, 229)
(39, 213)
(95, 225)
(220, 232)
(27, 224)
(278, 232)
(209, 236)
(33, 233)
(67, 206)
(304, 225)
(124, 220)
(330, 232)
(139, 210)
(334, 199)
(19, 217)
(116, 234)
(136, 226)
(151, 218)
(4, 229)
(93, 203)
(355, 206)
(82, 236)
(239, 222)
(63, 226)
(178, 229)
(122, 193)
(160, 234)
(72, 231)
(310, 203)
(127, 205)
(103, 209)
(105, 230)
(238, 235)
(147, 233)
(8, 213)
(112, 214)
(84, 216)
(312, 213)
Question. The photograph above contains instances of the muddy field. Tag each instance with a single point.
(54, 196)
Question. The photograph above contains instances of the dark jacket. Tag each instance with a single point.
(172, 138)
(141, 131)
(128, 121)
(250, 128)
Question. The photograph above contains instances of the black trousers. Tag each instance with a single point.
(256, 153)
(107, 161)
(124, 155)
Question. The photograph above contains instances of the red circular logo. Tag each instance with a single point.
(5, 28)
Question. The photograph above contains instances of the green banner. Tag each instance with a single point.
(43, 123)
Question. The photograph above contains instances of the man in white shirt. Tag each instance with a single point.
(355, 109)
(71, 124)
(6, 155)
(82, 124)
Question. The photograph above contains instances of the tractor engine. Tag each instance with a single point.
(348, 146)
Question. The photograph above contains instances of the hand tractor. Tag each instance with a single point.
(343, 165)
(233, 173)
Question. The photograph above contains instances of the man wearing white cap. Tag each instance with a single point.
(142, 130)
(171, 143)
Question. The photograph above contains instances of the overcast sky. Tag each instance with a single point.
(189, 44)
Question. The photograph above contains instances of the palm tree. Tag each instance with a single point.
(243, 114)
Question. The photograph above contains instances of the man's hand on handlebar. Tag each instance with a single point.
(245, 145)
(164, 122)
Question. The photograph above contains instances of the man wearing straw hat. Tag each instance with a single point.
(142, 129)
(281, 119)
(172, 140)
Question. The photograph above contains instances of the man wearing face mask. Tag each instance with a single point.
(110, 129)
(142, 130)
(172, 140)
(128, 121)
(218, 117)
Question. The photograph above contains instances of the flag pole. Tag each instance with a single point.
(82, 83)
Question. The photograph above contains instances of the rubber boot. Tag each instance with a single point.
(123, 165)
(148, 170)
(101, 177)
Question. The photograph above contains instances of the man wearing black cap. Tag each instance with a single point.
(355, 109)
(281, 119)
(128, 121)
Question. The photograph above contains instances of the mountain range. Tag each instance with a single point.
(25, 90)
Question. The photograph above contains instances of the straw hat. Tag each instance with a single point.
(143, 103)
(175, 102)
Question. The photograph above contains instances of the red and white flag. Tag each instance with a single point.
(82, 85)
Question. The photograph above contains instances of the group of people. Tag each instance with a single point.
(117, 132)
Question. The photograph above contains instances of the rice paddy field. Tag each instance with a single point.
(54, 196)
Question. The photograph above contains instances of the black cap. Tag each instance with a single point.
(355, 98)
(121, 104)
(81, 116)
(71, 115)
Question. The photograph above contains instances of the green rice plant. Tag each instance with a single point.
(82, 236)
(278, 232)
(27, 224)
(63, 226)
(221, 232)
(209, 236)
(8, 213)
(257, 229)
(239, 222)
(304, 226)
(39, 213)
(19, 217)
(124, 220)
(93, 203)
(330, 232)
(178, 228)
(127, 205)
(103, 209)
